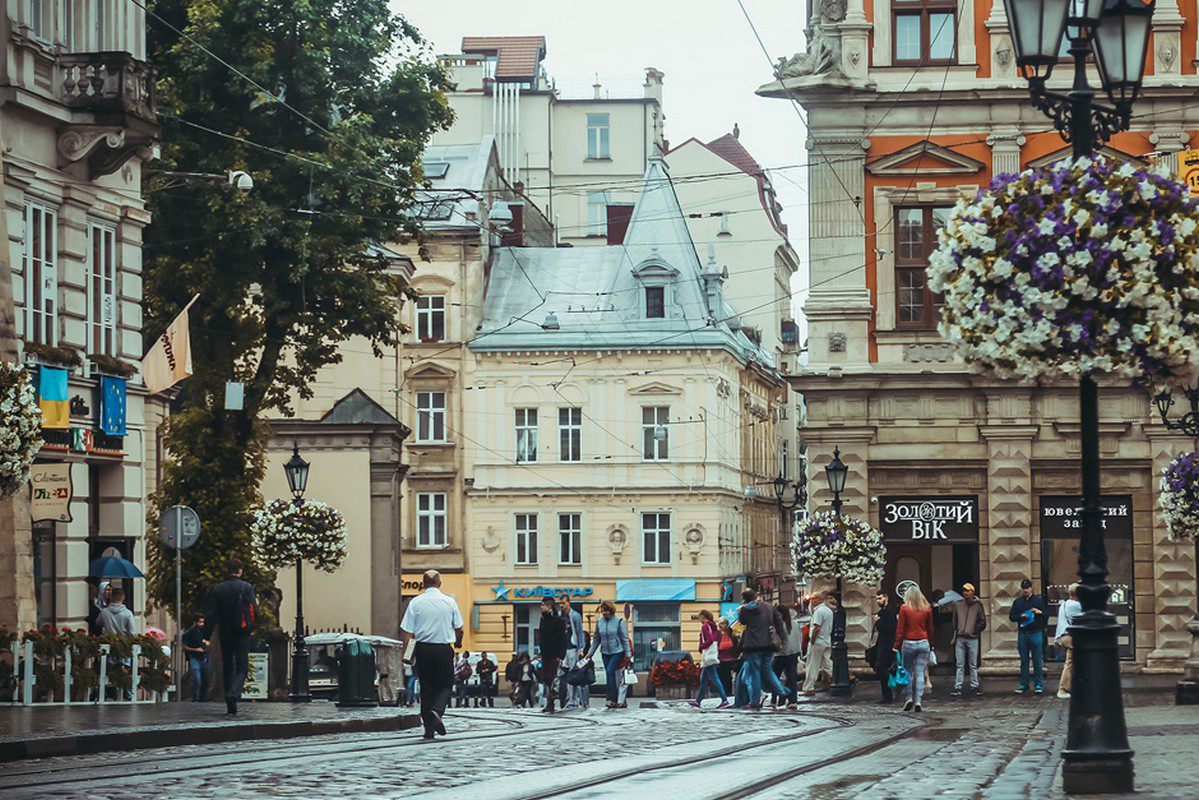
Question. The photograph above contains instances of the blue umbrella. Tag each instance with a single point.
(113, 567)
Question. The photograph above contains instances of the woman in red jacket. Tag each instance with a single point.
(709, 654)
(913, 640)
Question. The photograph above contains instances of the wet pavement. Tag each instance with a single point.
(996, 747)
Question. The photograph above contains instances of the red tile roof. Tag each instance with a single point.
(729, 148)
(519, 56)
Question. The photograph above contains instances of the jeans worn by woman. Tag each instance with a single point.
(914, 653)
(613, 675)
(708, 676)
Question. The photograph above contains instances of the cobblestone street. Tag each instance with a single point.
(997, 747)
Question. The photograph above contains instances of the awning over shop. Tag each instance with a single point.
(659, 589)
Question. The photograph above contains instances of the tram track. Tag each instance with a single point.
(57, 775)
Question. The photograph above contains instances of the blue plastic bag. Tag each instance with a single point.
(899, 677)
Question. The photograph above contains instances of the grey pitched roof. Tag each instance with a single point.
(597, 298)
(454, 166)
(357, 408)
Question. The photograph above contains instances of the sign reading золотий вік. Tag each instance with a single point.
(929, 519)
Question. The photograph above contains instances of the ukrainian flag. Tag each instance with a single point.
(52, 397)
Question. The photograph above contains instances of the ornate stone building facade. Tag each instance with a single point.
(911, 106)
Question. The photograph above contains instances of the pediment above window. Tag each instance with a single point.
(654, 270)
(429, 371)
(1108, 152)
(925, 158)
(656, 388)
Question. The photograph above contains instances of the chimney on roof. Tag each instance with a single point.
(595, 88)
(653, 84)
(736, 131)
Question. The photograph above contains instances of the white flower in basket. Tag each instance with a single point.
(313, 532)
(20, 427)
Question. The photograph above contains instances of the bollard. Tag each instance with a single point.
(135, 654)
(103, 672)
(66, 677)
(27, 694)
(16, 671)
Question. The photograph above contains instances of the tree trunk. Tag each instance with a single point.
(18, 604)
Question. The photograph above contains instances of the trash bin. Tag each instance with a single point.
(356, 663)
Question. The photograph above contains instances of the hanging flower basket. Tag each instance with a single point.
(1179, 497)
(828, 546)
(20, 427)
(1085, 267)
(313, 532)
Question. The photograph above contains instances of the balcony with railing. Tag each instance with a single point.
(107, 83)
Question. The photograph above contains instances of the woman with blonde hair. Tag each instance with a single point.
(913, 642)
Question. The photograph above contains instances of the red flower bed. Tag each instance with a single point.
(677, 673)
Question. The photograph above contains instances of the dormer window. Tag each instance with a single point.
(655, 302)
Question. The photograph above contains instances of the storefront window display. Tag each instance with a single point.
(1061, 521)
(655, 628)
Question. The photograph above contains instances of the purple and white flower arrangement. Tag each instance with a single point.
(1178, 497)
(20, 427)
(313, 532)
(1084, 267)
(831, 546)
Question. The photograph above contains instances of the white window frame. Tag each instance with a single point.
(429, 414)
(428, 308)
(38, 18)
(102, 306)
(98, 23)
(655, 539)
(597, 213)
(526, 435)
(599, 136)
(652, 448)
(570, 435)
(570, 538)
(68, 25)
(785, 461)
(525, 545)
(41, 275)
(430, 510)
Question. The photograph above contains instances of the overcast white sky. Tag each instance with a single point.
(711, 59)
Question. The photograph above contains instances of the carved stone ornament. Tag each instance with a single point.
(618, 539)
(79, 141)
(694, 540)
(836, 342)
(940, 352)
(1166, 54)
(491, 542)
(824, 47)
(1003, 55)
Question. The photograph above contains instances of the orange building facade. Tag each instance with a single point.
(911, 105)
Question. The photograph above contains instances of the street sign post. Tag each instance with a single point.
(179, 528)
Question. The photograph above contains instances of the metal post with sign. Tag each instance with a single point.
(178, 528)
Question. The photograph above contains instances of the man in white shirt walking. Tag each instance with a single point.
(1065, 618)
(435, 623)
(820, 653)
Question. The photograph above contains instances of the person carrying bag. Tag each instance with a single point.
(709, 648)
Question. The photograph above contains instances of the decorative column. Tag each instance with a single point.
(855, 31)
(1167, 39)
(1169, 142)
(1003, 59)
(839, 306)
(1174, 601)
(1005, 144)
(1006, 548)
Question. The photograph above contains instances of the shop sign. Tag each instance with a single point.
(50, 492)
(1061, 516)
(503, 592)
(932, 519)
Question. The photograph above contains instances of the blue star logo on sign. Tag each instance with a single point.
(501, 591)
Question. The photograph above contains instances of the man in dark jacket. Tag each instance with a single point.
(512, 675)
(757, 648)
(485, 669)
(232, 610)
(1028, 611)
(885, 621)
(554, 639)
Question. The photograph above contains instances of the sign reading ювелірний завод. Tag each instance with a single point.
(929, 519)
(1061, 515)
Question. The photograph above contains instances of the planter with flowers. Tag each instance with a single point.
(313, 532)
(674, 680)
(20, 427)
(1083, 268)
(831, 547)
(1178, 497)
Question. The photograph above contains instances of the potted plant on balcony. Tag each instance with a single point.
(51, 356)
(108, 365)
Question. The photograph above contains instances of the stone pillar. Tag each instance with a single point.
(854, 32)
(1006, 549)
(1169, 142)
(1005, 144)
(1173, 566)
(1003, 55)
(1167, 38)
(838, 307)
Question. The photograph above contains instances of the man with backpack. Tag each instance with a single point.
(233, 610)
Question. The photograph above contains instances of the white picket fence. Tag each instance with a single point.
(24, 672)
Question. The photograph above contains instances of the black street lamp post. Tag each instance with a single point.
(297, 480)
(787, 507)
(841, 686)
(1097, 756)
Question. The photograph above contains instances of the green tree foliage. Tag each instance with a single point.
(281, 272)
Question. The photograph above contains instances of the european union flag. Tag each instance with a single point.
(52, 397)
(112, 405)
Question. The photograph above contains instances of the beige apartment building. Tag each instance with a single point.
(77, 121)
(619, 423)
(969, 478)
(578, 152)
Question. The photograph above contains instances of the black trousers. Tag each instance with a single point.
(787, 668)
(726, 671)
(549, 676)
(883, 666)
(435, 671)
(235, 664)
